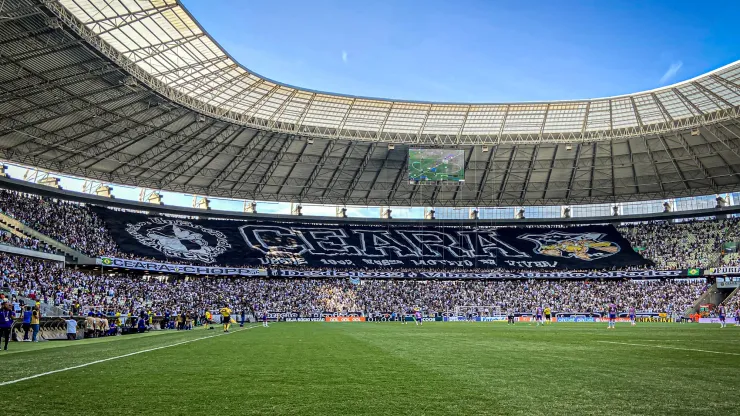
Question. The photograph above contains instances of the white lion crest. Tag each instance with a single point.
(179, 239)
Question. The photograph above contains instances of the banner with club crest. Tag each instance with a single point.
(368, 245)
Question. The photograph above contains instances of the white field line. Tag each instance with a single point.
(669, 348)
(5, 383)
(95, 341)
(663, 340)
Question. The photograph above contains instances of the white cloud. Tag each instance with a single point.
(344, 56)
(671, 72)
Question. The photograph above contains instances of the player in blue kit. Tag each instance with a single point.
(612, 310)
(264, 320)
(632, 315)
(538, 316)
(737, 316)
(417, 317)
(721, 312)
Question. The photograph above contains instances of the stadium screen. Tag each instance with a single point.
(437, 165)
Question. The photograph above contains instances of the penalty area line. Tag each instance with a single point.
(74, 367)
(669, 348)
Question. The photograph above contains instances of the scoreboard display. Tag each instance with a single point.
(436, 165)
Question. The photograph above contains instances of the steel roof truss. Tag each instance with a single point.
(228, 171)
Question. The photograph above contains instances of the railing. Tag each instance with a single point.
(732, 294)
(49, 329)
(702, 299)
(31, 253)
(45, 309)
(11, 230)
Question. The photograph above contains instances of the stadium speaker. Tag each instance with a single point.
(615, 210)
(50, 181)
(473, 215)
(666, 206)
(721, 202)
(309, 140)
(129, 82)
(430, 215)
(694, 132)
(484, 149)
(154, 198)
(104, 191)
(520, 214)
(391, 146)
(202, 203)
(250, 207)
(54, 23)
(568, 146)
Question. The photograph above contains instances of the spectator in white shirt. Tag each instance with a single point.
(71, 328)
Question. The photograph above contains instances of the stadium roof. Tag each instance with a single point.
(135, 92)
(166, 49)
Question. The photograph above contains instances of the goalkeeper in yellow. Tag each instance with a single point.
(226, 318)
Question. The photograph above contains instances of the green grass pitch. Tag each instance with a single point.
(436, 165)
(384, 369)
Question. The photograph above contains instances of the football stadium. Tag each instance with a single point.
(339, 254)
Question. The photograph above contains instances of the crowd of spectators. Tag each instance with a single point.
(80, 292)
(731, 260)
(69, 223)
(683, 245)
(381, 296)
(671, 246)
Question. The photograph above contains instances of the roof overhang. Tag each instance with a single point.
(165, 48)
(70, 103)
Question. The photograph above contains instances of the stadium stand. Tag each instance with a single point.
(81, 231)
(588, 208)
(671, 246)
(730, 260)
(62, 291)
(120, 292)
(683, 245)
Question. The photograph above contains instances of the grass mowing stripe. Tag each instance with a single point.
(5, 383)
(668, 348)
(367, 369)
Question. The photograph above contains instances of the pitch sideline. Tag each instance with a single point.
(74, 367)
(669, 348)
(93, 341)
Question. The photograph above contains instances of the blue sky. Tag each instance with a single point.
(480, 51)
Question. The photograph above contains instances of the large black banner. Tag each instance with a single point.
(272, 244)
